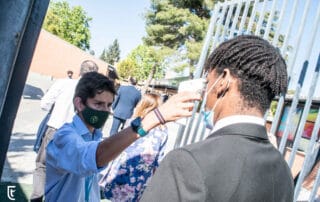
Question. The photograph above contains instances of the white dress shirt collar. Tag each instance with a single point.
(237, 119)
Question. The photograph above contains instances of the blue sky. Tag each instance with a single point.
(115, 19)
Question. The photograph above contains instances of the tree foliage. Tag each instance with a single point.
(69, 23)
(143, 63)
(179, 25)
(112, 54)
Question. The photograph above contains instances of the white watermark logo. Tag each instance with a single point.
(10, 191)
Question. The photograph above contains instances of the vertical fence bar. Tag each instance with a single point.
(303, 118)
(252, 17)
(244, 16)
(207, 40)
(190, 121)
(292, 109)
(218, 26)
(199, 119)
(312, 88)
(308, 158)
(200, 64)
(269, 23)
(293, 57)
(276, 118)
(277, 31)
(261, 17)
(227, 22)
(235, 19)
(315, 187)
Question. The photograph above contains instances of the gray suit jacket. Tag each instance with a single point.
(236, 163)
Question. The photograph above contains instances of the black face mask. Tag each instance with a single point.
(94, 117)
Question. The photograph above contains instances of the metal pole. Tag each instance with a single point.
(315, 187)
(244, 16)
(185, 132)
(311, 147)
(304, 116)
(276, 118)
(261, 17)
(227, 22)
(311, 89)
(292, 109)
(252, 17)
(205, 47)
(276, 36)
(235, 20)
(270, 19)
(293, 57)
(219, 23)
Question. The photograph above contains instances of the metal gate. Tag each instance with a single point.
(293, 27)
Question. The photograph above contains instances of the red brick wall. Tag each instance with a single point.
(54, 56)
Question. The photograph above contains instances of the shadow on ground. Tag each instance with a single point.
(18, 149)
(32, 92)
(18, 144)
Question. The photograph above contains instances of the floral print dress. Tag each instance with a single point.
(126, 177)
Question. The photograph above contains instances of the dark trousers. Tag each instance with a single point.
(116, 125)
(39, 174)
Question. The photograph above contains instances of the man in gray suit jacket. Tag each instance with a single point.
(236, 162)
(126, 100)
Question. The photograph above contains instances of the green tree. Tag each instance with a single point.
(127, 67)
(143, 63)
(68, 23)
(112, 54)
(178, 25)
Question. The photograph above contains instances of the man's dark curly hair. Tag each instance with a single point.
(259, 67)
(91, 84)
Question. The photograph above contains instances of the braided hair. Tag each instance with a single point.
(258, 66)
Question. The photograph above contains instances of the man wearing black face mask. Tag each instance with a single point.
(76, 153)
(60, 94)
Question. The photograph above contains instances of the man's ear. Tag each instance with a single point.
(224, 84)
(77, 102)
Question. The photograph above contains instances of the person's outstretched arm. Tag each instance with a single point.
(178, 106)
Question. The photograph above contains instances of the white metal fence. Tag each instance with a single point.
(293, 27)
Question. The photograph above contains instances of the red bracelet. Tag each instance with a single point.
(159, 116)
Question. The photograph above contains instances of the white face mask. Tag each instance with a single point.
(208, 115)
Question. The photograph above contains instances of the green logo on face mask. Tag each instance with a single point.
(94, 117)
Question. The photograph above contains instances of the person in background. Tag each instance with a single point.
(236, 162)
(126, 100)
(70, 74)
(127, 176)
(76, 154)
(60, 94)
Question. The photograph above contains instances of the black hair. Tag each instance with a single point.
(258, 66)
(93, 83)
(133, 81)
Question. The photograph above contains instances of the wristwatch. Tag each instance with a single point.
(137, 127)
